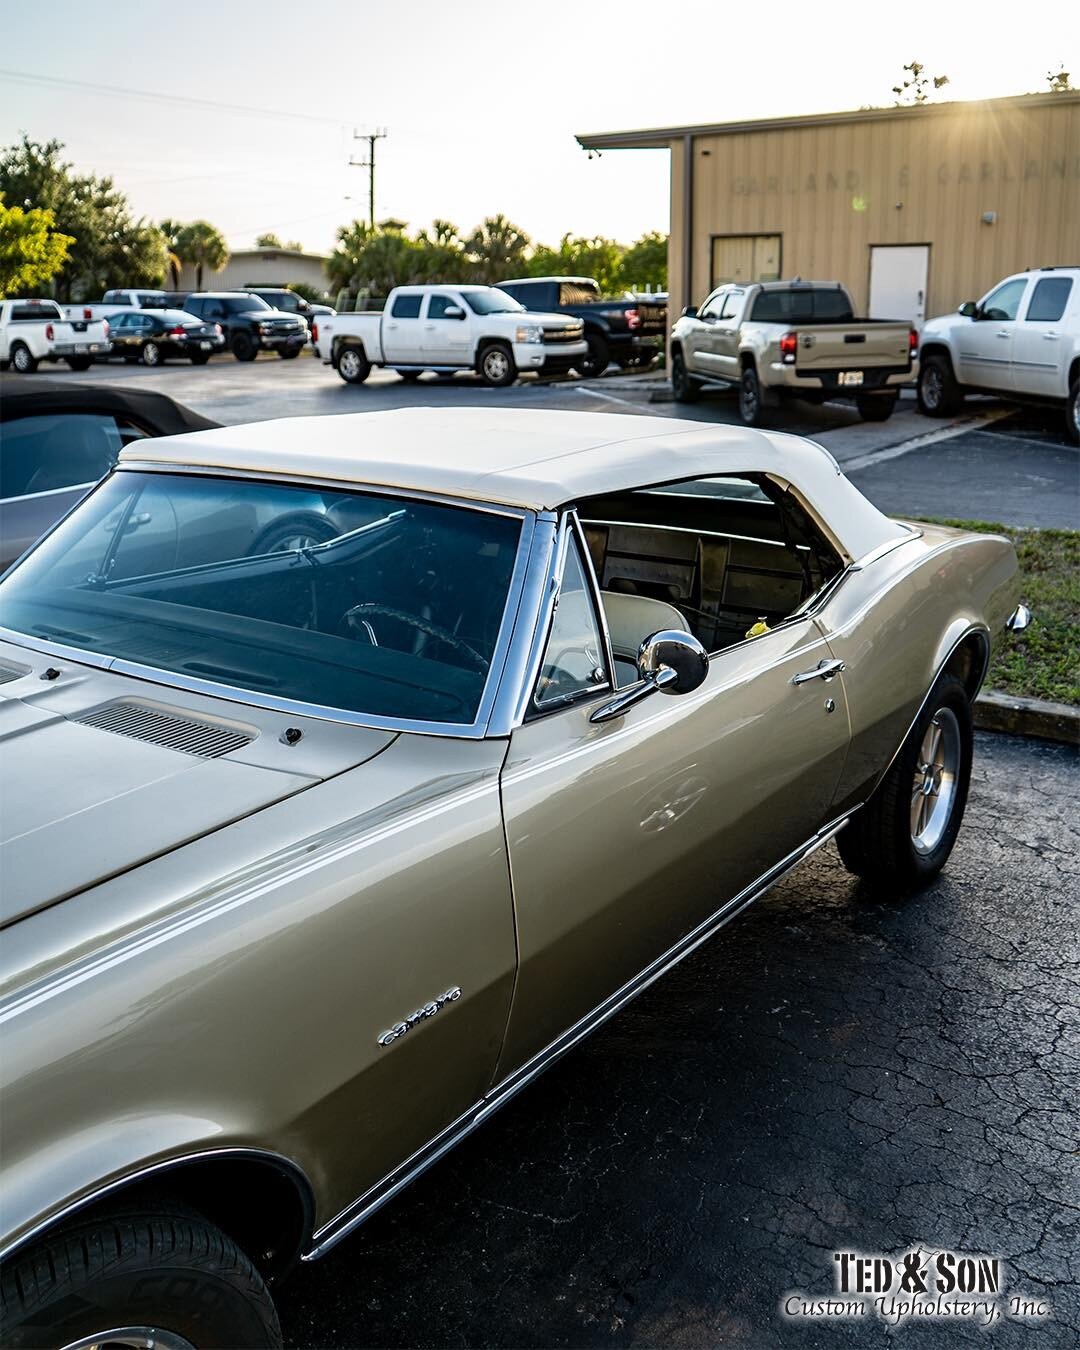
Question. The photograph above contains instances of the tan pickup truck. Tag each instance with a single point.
(793, 339)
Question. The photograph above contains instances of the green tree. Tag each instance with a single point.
(267, 241)
(916, 89)
(171, 229)
(1059, 81)
(309, 292)
(597, 257)
(374, 261)
(31, 251)
(497, 249)
(442, 253)
(644, 263)
(203, 246)
(294, 245)
(111, 247)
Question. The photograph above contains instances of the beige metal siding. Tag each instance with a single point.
(832, 189)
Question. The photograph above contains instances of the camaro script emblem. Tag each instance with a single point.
(428, 1010)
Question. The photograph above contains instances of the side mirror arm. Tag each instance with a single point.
(652, 682)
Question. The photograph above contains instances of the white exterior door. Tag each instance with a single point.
(898, 275)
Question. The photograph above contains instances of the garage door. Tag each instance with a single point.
(745, 257)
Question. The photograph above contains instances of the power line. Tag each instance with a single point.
(149, 95)
(379, 134)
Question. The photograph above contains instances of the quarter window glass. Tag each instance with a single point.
(573, 661)
(406, 307)
(59, 450)
(1005, 301)
(438, 305)
(732, 301)
(1048, 302)
(711, 308)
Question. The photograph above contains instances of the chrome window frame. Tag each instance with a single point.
(483, 724)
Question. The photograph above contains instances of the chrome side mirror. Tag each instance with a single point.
(669, 662)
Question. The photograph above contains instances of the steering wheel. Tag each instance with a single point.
(356, 618)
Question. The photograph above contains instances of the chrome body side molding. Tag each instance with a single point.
(372, 1200)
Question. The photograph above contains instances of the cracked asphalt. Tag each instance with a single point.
(832, 1072)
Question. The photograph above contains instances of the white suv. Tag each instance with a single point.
(1020, 341)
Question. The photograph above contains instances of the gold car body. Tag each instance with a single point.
(305, 999)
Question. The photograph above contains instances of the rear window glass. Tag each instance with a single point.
(578, 293)
(1048, 302)
(804, 305)
(58, 450)
(406, 306)
(39, 313)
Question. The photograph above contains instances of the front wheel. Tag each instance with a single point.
(288, 353)
(684, 387)
(79, 363)
(353, 366)
(198, 358)
(22, 359)
(750, 400)
(876, 407)
(496, 366)
(1072, 413)
(140, 1277)
(597, 359)
(243, 347)
(938, 393)
(902, 837)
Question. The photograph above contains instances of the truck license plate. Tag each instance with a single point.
(204, 346)
(80, 347)
(851, 377)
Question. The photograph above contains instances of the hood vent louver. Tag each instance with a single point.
(159, 726)
(9, 673)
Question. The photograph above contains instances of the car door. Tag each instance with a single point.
(725, 334)
(626, 835)
(704, 348)
(985, 345)
(401, 330)
(121, 333)
(445, 338)
(1041, 344)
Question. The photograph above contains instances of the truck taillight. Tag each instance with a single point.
(314, 330)
(48, 332)
(105, 326)
(912, 342)
(633, 318)
(789, 343)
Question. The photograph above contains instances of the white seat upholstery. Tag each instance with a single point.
(633, 618)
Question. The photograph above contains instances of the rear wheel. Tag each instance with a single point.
(876, 407)
(597, 359)
(496, 366)
(151, 354)
(288, 353)
(751, 403)
(198, 358)
(79, 362)
(1072, 413)
(939, 394)
(902, 837)
(353, 366)
(410, 376)
(683, 385)
(139, 1277)
(243, 347)
(22, 359)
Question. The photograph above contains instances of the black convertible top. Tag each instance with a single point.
(157, 414)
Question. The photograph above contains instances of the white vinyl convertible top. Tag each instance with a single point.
(535, 460)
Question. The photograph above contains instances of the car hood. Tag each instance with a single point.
(80, 803)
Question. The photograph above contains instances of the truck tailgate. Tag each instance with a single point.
(852, 346)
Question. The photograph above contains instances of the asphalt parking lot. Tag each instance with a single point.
(988, 464)
(832, 1072)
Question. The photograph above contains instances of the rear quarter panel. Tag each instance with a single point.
(895, 624)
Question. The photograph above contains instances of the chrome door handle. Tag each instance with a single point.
(1004, 334)
(824, 670)
(1050, 337)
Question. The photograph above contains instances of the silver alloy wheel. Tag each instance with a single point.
(932, 387)
(131, 1338)
(151, 354)
(933, 792)
(1076, 413)
(496, 364)
(748, 397)
(349, 364)
(20, 359)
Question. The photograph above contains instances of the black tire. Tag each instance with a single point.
(22, 359)
(879, 842)
(288, 353)
(410, 376)
(597, 359)
(938, 393)
(198, 358)
(751, 400)
(876, 407)
(79, 363)
(1072, 413)
(143, 1266)
(495, 365)
(295, 529)
(684, 388)
(151, 354)
(243, 347)
(353, 365)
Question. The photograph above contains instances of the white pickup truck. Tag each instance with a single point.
(36, 330)
(446, 329)
(1021, 341)
(115, 300)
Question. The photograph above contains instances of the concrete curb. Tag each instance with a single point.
(1027, 717)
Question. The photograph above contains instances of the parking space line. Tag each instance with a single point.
(888, 452)
(608, 398)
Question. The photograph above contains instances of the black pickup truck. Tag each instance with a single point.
(628, 332)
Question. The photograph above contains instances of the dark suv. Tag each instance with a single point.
(249, 324)
(290, 302)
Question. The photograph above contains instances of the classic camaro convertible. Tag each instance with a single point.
(357, 767)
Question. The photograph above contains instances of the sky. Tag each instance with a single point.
(480, 103)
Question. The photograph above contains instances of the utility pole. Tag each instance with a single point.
(379, 134)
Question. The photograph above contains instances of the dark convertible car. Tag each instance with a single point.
(57, 439)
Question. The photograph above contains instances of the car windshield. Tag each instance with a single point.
(492, 301)
(384, 606)
(245, 304)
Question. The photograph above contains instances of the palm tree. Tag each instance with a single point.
(497, 249)
(171, 229)
(268, 240)
(202, 245)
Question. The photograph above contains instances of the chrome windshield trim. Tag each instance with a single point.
(478, 729)
(84, 488)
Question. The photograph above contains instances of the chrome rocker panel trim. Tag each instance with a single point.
(372, 1200)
